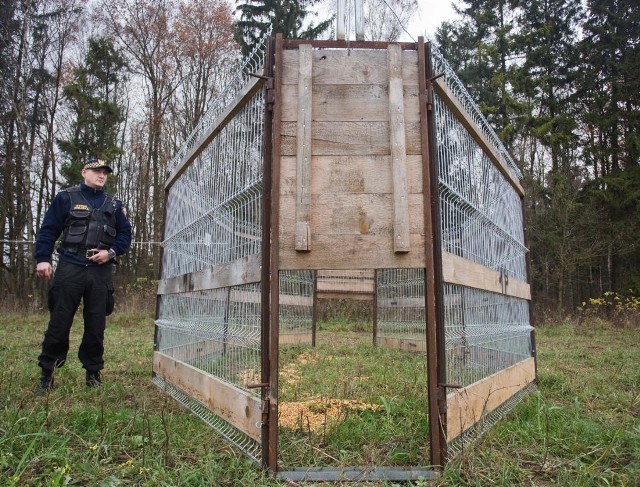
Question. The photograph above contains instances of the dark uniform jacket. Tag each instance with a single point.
(57, 219)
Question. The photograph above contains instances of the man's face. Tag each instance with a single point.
(95, 178)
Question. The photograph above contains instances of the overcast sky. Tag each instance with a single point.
(431, 13)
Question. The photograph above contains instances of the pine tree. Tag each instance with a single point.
(479, 48)
(547, 43)
(610, 85)
(285, 16)
(93, 97)
(610, 95)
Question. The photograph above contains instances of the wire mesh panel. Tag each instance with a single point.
(401, 321)
(487, 332)
(216, 331)
(208, 350)
(296, 306)
(214, 209)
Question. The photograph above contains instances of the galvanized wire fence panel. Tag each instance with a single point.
(296, 302)
(214, 217)
(481, 213)
(441, 66)
(214, 211)
(243, 442)
(484, 332)
(481, 220)
(401, 304)
(216, 331)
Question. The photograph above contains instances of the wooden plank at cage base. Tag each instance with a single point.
(237, 407)
(466, 406)
(407, 344)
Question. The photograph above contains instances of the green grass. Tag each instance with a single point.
(580, 428)
(371, 402)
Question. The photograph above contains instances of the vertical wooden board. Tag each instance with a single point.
(303, 153)
(398, 151)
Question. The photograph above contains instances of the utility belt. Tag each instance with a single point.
(80, 250)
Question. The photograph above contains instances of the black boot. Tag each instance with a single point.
(46, 383)
(93, 379)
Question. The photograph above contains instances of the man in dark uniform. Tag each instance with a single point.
(94, 231)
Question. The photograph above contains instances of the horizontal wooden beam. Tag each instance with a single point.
(242, 271)
(458, 270)
(466, 406)
(352, 295)
(295, 338)
(449, 99)
(345, 285)
(408, 344)
(239, 408)
(350, 138)
(347, 45)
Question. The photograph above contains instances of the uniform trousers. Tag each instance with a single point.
(71, 283)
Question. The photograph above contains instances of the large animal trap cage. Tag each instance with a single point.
(369, 160)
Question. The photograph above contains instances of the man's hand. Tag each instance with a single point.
(44, 270)
(101, 256)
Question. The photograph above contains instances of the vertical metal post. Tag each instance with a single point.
(274, 265)
(225, 324)
(528, 267)
(265, 273)
(359, 20)
(340, 20)
(374, 315)
(157, 311)
(433, 259)
(314, 309)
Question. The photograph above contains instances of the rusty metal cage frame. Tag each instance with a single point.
(222, 312)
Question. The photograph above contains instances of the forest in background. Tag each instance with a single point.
(127, 80)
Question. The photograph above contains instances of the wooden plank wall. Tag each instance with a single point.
(358, 202)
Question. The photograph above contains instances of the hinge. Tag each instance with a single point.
(265, 411)
(271, 93)
(430, 90)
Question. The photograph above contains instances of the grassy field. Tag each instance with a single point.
(581, 427)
